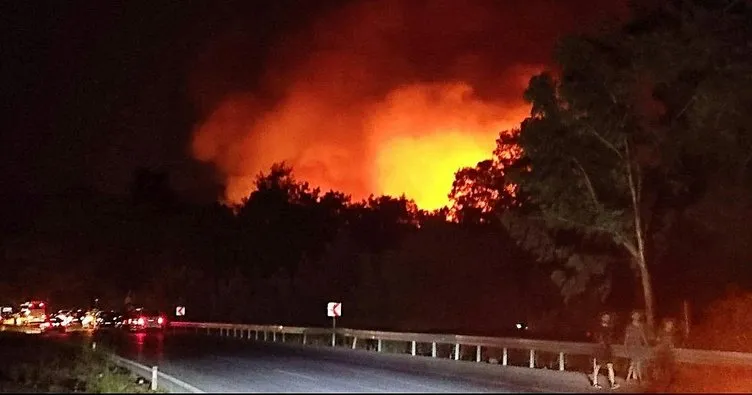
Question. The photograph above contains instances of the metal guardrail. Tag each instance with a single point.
(166, 382)
(459, 343)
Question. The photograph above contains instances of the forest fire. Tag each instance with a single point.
(370, 100)
(416, 139)
(423, 134)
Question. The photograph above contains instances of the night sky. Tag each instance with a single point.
(92, 90)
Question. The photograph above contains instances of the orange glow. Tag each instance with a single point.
(368, 101)
(423, 168)
(417, 138)
(423, 134)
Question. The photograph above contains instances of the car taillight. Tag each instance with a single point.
(160, 320)
(140, 321)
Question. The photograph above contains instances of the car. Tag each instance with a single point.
(55, 323)
(108, 320)
(32, 312)
(7, 316)
(89, 319)
(78, 316)
(69, 315)
(139, 320)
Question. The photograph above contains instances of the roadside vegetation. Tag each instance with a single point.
(38, 364)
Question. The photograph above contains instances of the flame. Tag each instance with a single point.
(423, 134)
(417, 138)
(423, 168)
(372, 99)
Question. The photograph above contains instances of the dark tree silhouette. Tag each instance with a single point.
(152, 188)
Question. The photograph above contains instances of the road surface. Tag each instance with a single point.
(215, 364)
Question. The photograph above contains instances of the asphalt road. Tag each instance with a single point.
(215, 364)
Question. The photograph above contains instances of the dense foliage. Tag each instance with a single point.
(277, 258)
(631, 140)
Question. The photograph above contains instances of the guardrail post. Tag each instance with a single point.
(153, 378)
(483, 348)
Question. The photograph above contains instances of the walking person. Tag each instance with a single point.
(666, 340)
(636, 346)
(604, 337)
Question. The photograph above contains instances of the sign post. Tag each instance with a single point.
(334, 310)
(180, 311)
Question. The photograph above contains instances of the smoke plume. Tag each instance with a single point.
(382, 97)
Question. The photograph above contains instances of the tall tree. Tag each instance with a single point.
(609, 144)
(582, 143)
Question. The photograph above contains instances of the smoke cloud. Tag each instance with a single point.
(382, 97)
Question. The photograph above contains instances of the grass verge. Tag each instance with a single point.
(34, 363)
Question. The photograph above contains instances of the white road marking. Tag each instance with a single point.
(367, 387)
(347, 382)
(303, 376)
(394, 378)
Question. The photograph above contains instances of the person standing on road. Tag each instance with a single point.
(604, 337)
(666, 340)
(636, 344)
